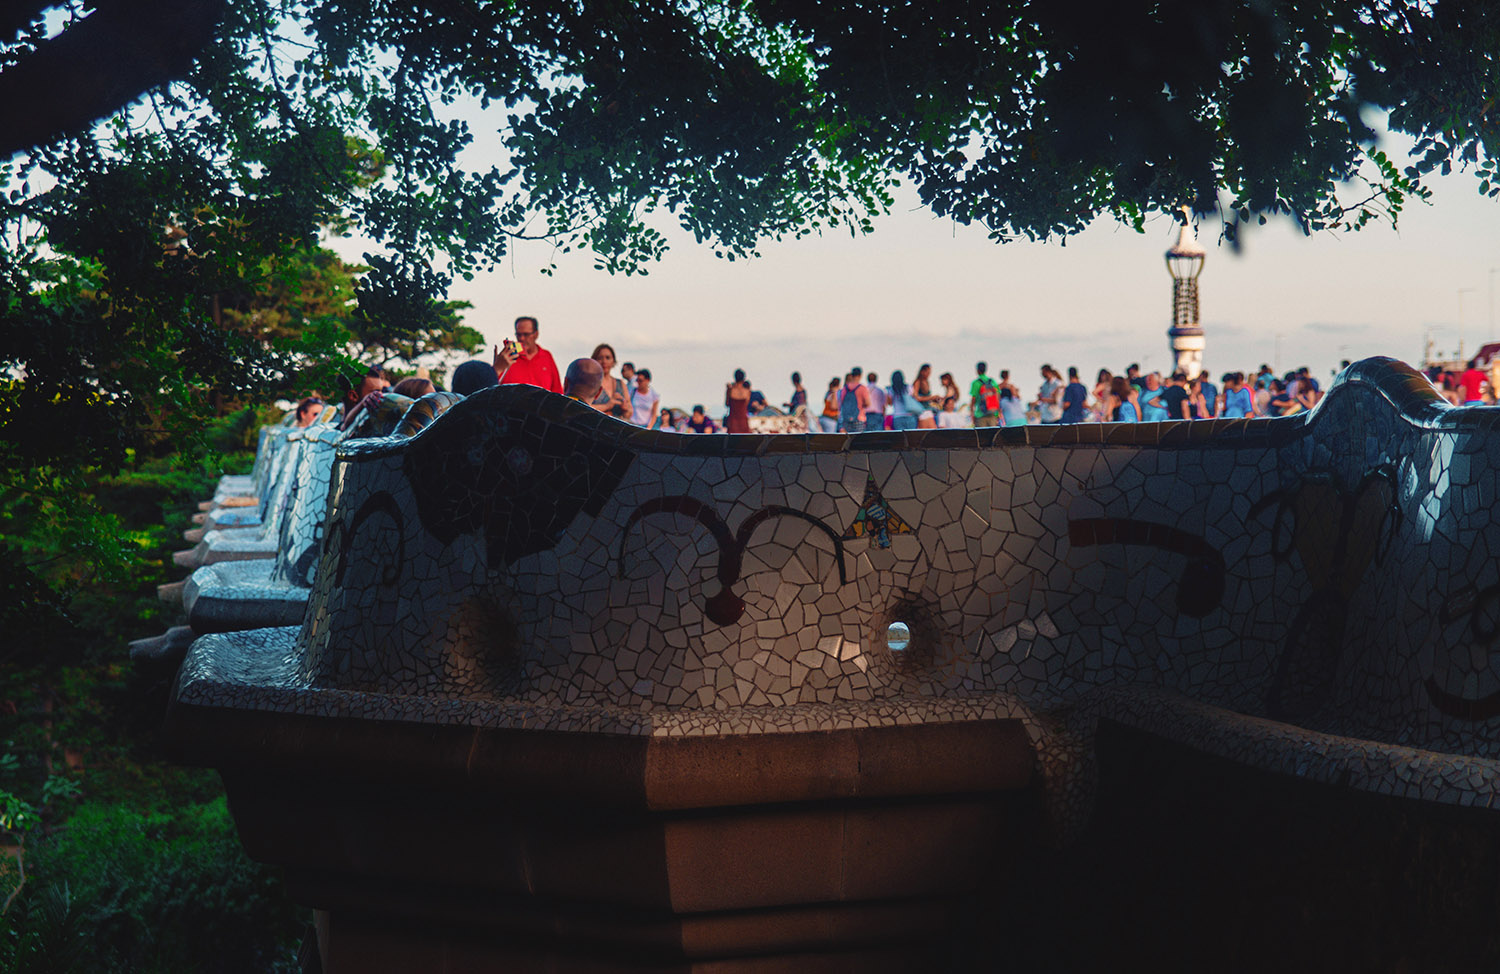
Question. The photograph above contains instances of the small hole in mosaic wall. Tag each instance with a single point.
(910, 633)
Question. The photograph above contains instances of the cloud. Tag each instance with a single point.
(1336, 328)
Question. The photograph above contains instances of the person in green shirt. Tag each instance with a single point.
(985, 395)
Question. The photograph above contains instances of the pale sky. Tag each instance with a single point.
(920, 289)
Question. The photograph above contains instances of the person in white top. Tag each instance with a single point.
(645, 402)
(1049, 397)
(875, 416)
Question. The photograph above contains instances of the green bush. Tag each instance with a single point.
(119, 889)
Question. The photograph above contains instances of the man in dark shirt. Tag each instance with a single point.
(1075, 398)
(1309, 384)
(1210, 395)
(1175, 397)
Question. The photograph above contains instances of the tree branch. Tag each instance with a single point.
(99, 65)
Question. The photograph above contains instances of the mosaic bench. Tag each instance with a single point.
(213, 518)
(252, 594)
(258, 541)
(1313, 594)
(236, 490)
(234, 595)
(281, 446)
(239, 501)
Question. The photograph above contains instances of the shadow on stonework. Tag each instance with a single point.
(486, 656)
(1338, 533)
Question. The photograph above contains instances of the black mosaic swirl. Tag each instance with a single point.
(517, 463)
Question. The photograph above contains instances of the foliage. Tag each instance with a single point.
(45, 934)
(748, 120)
(131, 244)
(80, 545)
(75, 719)
(752, 119)
(132, 890)
(128, 863)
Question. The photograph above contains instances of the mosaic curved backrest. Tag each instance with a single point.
(423, 411)
(273, 442)
(382, 418)
(277, 496)
(301, 530)
(272, 438)
(262, 453)
(1333, 568)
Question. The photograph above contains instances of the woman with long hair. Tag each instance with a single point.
(950, 397)
(612, 391)
(737, 398)
(947, 408)
(1049, 396)
(828, 422)
(1124, 401)
(1102, 386)
(904, 407)
(921, 391)
(921, 387)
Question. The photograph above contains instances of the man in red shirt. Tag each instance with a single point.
(532, 365)
(1473, 382)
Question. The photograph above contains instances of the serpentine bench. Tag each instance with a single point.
(648, 679)
(213, 518)
(233, 595)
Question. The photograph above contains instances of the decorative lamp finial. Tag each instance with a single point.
(1185, 263)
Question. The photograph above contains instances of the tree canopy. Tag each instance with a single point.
(747, 119)
(247, 128)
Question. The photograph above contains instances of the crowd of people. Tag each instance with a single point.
(860, 402)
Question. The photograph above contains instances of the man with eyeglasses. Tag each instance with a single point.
(528, 364)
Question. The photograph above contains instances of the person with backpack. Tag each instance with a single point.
(854, 403)
(985, 395)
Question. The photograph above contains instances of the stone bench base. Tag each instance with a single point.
(516, 849)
